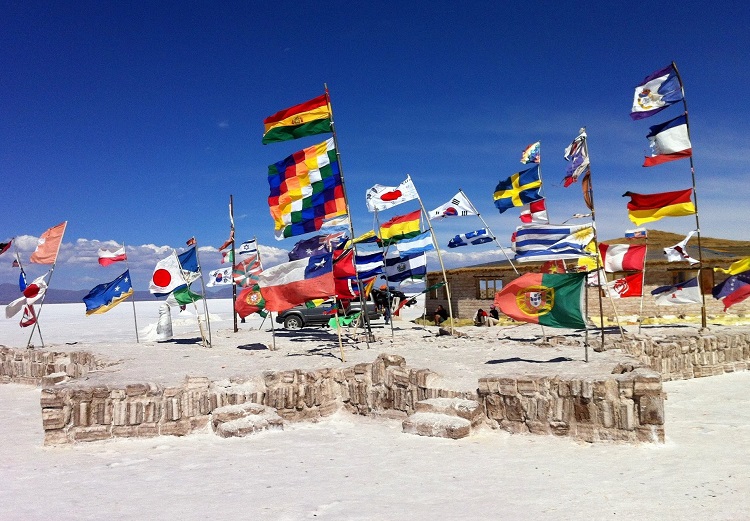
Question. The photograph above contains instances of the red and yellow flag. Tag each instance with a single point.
(644, 208)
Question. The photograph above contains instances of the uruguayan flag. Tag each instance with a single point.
(543, 242)
(473, 238)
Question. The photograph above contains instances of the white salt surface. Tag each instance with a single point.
(349, 467)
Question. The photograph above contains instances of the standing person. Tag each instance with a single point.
(441, 315)
(494, 318)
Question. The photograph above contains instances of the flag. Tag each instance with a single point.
(32, 293)
(519, 189)
(306, 119)
(542, 242)
(29, 316)
(182, 296)
(189, 265)
(306, 189)
(637, 233)
(553, 266)
(191, 241)
(106, 296)
(474, 238)
(656, 92)
(622, 257)
(292, 283)
(678, 252)
(49, 244)
(644, 208)
(420, 244)
(458, 206)
(5, 246)
(736, 267)
(554, 300)
(247, 248)
(669, 141)
(316, 245)
(107, 257)
(227, 256)
(346, 288)
(343, 265)
(228, 242)
(687, 292)
(167, 276)
(628, 286)
(250, 300)
(245, 269)
(381, 197)
(733, 290)
(405, 269)
(366, 238)
(399, 228)
(534, 212)
(220, 277)
(577, 156)
(369, 264)
(532, 153)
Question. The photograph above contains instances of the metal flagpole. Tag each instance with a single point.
(20, 266)
(270, 313)
(234, 262)
(588, 197)
(49, 280)
(135, 320)
(440, 259)
(369, 336)
(695, 202)
(494, 237)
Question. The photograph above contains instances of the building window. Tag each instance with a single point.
(486, 288)
(437, 293)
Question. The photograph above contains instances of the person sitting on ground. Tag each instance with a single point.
(480, 318)
(441, 315)
(494, 318)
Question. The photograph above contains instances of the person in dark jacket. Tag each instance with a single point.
(441, 315)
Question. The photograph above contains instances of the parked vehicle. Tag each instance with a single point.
(302, 316)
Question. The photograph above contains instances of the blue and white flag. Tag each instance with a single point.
(458, 206)
(220, 277)
(369, 264)
(248, 248)
(687, 292)
(656, 92)
(472, 238)
(405, 269)
(419, 244)
(543, 242)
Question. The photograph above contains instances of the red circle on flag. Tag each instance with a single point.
(162, 278)
(31, 291)
(391, 196)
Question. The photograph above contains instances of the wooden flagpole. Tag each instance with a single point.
(132, 299)
(695, 202)
(203, 289)
(49, 280)
(440, 259)
(494, 237)
(385, 276)
(234, 262)
(369, 336)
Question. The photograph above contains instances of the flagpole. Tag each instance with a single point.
(385, 276)
(589, 197)
(23, 273)
(203, 289)
(440, 259)
(695, 202)
(135, 320)
(643, 286)
(369, 336)
(494, 237)
(234, 263)
(270, 313)
(49, 280)
(541, 187)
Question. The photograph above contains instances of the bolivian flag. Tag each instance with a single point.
(306, 119)
(399, 228)
(554, 300)
(644, 208)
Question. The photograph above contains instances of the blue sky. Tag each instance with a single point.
(136, 121)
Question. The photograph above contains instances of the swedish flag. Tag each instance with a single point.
(519, 189)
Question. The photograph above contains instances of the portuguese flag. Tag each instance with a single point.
(554, 300)
(306, 119)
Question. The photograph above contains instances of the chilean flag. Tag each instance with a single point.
(107, 257)
(292, 283)
(669, 142)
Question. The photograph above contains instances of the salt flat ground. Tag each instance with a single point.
(349, 467)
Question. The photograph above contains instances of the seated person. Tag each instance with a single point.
(494, 317)
(441, 315)
(480, 318)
